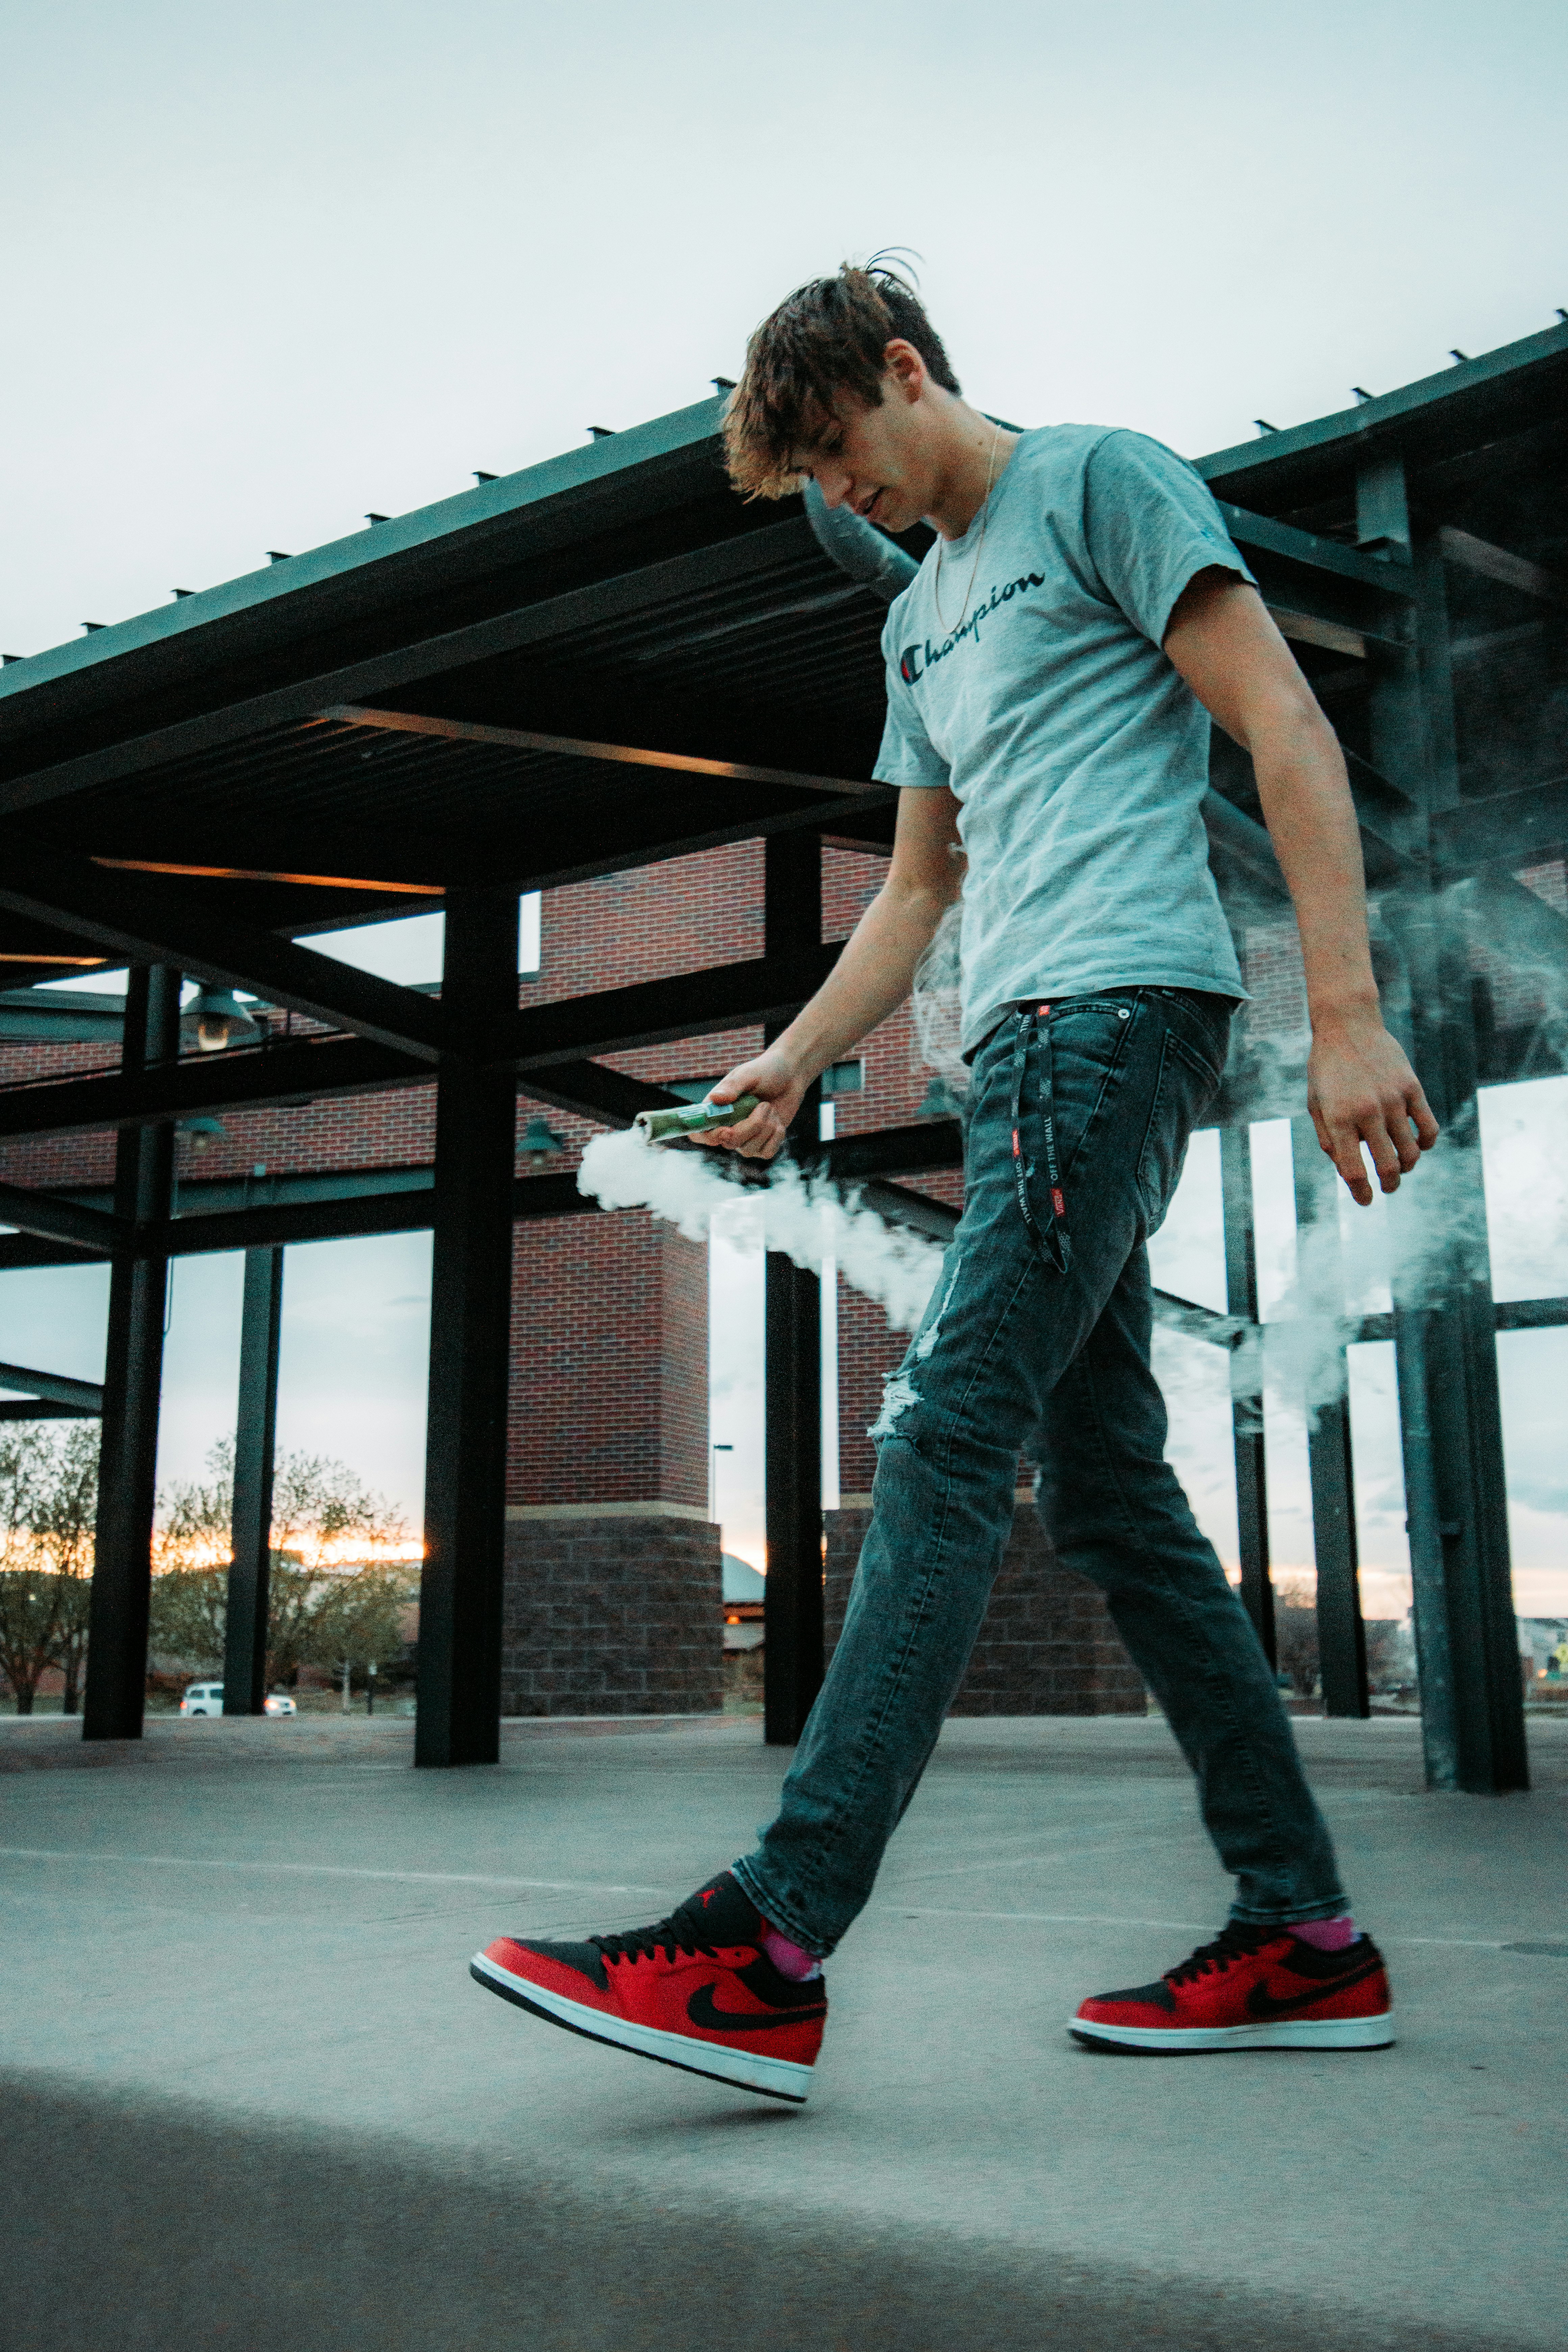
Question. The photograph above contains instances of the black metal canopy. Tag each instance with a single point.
(610, 659)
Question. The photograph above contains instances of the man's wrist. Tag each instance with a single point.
(1344, 1010)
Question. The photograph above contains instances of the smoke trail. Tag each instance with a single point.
(808, 1222)
(938, 1013)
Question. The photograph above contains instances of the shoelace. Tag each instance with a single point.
(1237, 1942)
(682, 1932)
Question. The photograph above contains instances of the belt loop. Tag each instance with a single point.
(1056, 1249)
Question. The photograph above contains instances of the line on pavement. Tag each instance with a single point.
(319, 1870)
(1117, 1919)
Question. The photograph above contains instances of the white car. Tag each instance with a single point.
(279, 1703)
(203, 1698)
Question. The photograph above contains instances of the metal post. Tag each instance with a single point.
(1341, 1635)
(470, 1322)
(116, 1690)
(1445, 1347)
(1247, 1384)
(256, 1427)
(792, 1607)
(1472, 1713)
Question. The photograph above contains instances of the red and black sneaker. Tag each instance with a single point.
(695, 1991)
(1252, 1989)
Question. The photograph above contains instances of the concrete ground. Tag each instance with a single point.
(250, 2096)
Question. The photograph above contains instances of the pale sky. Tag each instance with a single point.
(266, 269)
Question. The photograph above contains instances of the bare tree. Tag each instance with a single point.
(318, 1507)
(1296, 1634)
(29, 1587)
(66, 1521)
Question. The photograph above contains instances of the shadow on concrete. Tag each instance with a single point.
(133, 2222)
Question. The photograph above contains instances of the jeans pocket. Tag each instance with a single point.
(1183, 1092)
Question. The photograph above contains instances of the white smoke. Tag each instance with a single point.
(938, 1013)
(808, 1222)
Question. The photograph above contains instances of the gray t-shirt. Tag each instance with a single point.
(1077, 752)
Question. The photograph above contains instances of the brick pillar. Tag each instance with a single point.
(613, 1579)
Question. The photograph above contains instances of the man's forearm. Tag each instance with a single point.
(871, 979)
(1312, 821)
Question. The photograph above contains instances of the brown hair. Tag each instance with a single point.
(827, 342)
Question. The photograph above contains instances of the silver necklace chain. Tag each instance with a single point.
(979, 544)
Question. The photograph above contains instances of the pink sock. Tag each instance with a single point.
(1326, 1935)
(789, 1958)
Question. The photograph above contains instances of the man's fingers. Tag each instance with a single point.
(1343, 1143)
(1386, 1156)
(1426, 1128)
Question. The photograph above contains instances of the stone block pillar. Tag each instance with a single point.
(1047, 1645)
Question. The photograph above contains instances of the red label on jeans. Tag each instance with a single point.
(1057, 1203)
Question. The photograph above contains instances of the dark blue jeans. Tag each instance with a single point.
(1036, 1338)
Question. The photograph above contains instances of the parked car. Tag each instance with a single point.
(203, 1698)
(279, 1703)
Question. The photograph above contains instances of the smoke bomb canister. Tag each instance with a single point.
(696, 1119)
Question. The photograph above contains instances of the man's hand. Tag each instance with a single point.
(1360, 1089)
(780, 1089)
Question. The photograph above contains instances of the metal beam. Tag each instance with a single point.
(517, 739)
(470, 1316)
(298, 1070)
(251, 1536)
(1445, 1320)
(133, 1379)
(653, 1011)
(732, 564)
(1241, 841)
(1341, 1635)
(1246, 1385)
(891, 1152)
(37, 1409)
(1267, 537)
(1478, 555)
(151, 920)
(1504, 829)
(55, 1219)
(53, 1388)
(792, 1606)
(595, 1092)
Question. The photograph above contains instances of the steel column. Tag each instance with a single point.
(116, 1687)
(256, 1428)
(1247, 1384)
(1472, 1711)
(1341, 1635)
(793, 1601)
(470, 1323)
(1451, 1412)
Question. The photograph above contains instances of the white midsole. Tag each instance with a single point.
(780, 2075)
(1300, 2033)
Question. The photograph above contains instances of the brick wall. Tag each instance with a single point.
(1047, 1645)
(609, 1385)
(612, 1615)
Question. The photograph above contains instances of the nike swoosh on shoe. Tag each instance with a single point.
(1261, 2003)
(702, 2010)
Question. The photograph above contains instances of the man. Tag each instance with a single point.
(1052, 672)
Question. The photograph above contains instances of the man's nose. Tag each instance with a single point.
(835, 487)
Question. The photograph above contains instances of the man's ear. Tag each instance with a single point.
(905, 369)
